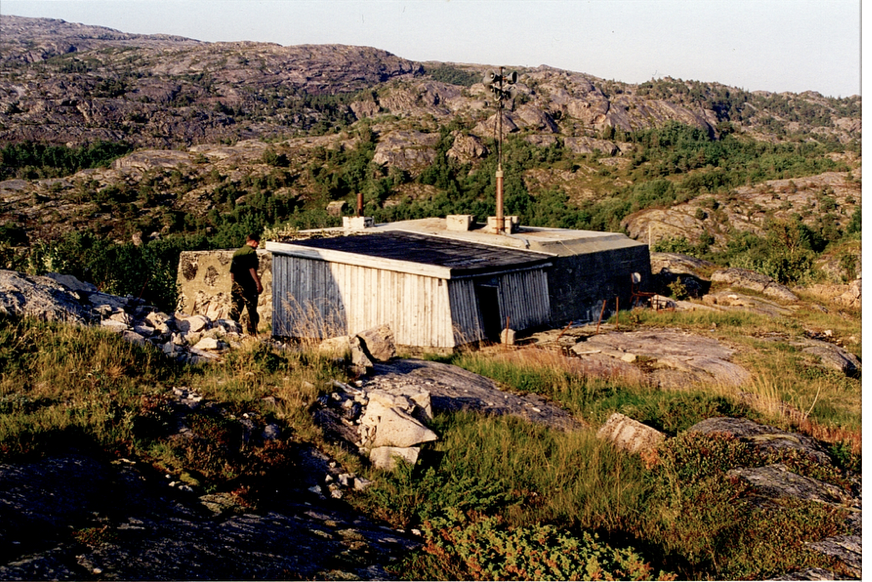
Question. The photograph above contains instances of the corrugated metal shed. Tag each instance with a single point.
(432, 291)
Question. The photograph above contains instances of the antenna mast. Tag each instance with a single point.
(495, 83)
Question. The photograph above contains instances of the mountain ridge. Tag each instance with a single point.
(145, 81)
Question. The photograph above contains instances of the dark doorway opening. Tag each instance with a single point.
(489, 307)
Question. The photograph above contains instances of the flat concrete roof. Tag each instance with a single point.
(554, 241)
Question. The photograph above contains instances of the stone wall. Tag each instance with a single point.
(204, 285)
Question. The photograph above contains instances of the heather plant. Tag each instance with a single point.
(707, 523)
(477, 547)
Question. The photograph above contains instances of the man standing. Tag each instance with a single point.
(245, 284)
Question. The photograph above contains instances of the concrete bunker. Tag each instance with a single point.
(443, 282)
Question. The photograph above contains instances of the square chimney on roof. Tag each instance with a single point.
(459, 222)
(357, 222)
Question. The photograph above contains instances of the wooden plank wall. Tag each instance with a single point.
(314, 298)
(524, 299)
(307, 303)
(468, 325)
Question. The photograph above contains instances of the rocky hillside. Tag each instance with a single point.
(220, 138)
(71, 83)
(122, 511)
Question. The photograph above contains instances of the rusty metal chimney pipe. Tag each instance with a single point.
(500, 220)
(359, 204)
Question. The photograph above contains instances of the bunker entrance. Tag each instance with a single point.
(489, 306)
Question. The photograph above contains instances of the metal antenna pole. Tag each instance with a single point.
(496, 84)
(499, 175)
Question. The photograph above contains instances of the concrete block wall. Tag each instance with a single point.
(204, 285)
(578, 284)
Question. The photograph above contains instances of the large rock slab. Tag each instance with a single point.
(467, 148)
(407, 150)
(453, 389)
(40, 297)
(762, 436)
(700, 358)
(733, 301)
(153, 531)
(847, 549)
(678, 264)
(831, 356)
(72, 283)
(775, 481)
(668, 268)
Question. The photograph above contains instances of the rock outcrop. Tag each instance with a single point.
(833, 195)
(849, 295)
(630, 435)
(141, 527)
(185, 338)
(677, 359)
(692, 273)
(762, 436)
(41, 297)
(407, 150)
(777, 481)
(747, 279)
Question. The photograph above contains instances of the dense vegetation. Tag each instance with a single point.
(671, 164)
(30, 160)
(453, 75)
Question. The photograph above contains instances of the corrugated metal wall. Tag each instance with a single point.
(313, 298)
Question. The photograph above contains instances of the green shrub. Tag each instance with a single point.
(675, 245)
(678, 290)
(474, 547)
(454, 76)
(845, 458)
(38, 160)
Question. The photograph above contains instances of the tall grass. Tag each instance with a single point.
(593, 395)
(828, 402)
(65, 384)
(678, 508)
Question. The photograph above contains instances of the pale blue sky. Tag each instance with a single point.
(773, 45)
